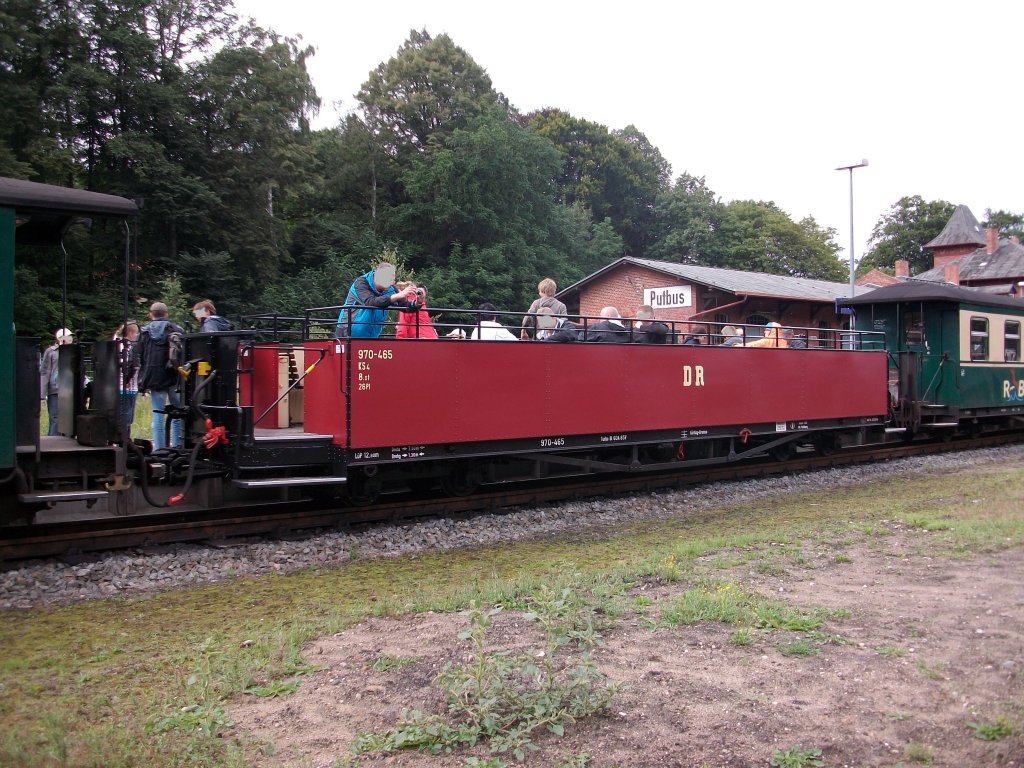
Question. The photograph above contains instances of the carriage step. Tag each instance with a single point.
(48, 497)
(287, 482)
(894, 430)
(941, 424)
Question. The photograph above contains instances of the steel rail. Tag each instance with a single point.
(63, 539)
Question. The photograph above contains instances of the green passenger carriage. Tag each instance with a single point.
(954, 354)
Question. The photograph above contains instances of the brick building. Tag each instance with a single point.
(684, 292)
(966, 254)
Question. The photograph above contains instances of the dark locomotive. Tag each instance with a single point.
(281, 412)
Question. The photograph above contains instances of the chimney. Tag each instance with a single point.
(902, 268)
(991, 240)
(951, 274)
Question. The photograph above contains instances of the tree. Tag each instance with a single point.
(487, 185)
(687, 218)
(617, 175)
(1008, 224)
(430, 88)
(126, 97)
(761, 237)
(902, 232)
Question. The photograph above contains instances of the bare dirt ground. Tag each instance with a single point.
(691, 698)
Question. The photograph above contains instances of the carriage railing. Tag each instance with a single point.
(320, 323)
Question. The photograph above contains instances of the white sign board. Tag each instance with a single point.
(669, 297)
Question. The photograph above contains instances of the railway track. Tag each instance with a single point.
(63, 539)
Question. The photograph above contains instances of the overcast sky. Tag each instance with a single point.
(762, 99)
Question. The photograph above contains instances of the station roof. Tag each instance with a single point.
(734, 281)
(924, 290)
(45, 211)
(1005, 262)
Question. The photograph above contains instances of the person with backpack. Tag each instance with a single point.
(209, 320)
(157, 356)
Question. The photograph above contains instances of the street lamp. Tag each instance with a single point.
(862, 164)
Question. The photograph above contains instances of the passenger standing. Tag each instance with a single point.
(127, 335)
(488, 328)
(48, 369)
(546, 289)
(151, 356)
(367, 303)
(209, 320)
(415, 323)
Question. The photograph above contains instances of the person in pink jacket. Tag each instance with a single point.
(415, 323)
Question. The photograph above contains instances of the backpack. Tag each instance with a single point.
(175, 349)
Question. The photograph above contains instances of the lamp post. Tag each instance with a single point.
(862, 164)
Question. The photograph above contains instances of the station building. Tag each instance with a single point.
(967, 254)
(696, 294)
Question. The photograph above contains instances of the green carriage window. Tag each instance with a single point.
(913, 328)
(979, 338)
(1011, 341)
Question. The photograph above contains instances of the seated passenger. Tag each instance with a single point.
(649, 330)
(772, 338)
(794, 339)
(415, 322)
(488, 328)
(731, 336)
(563, 330)
(545, 322)
(609, 329)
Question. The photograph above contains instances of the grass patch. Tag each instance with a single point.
(385, 662)
(1000, 729)
(890, 651)
(149, 681)
(931, 671)
(796, 757)
(918, 753)
(501, 700)
(799, 648)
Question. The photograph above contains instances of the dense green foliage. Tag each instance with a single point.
(205, 121)
(903, 231)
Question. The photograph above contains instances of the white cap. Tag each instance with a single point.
(63, 333)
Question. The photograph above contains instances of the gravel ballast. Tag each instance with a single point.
(133, 571)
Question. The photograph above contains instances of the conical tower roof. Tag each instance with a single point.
(961, 229)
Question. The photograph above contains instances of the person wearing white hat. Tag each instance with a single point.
(48, 376)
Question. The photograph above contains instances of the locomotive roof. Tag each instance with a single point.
(48, 210)
(736, 281)
(925, 290)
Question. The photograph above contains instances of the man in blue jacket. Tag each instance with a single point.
(368, 301)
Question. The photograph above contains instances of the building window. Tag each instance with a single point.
(825, 335)
(979, 338)
(756, 320)
(720, 319)
(1011, 341)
